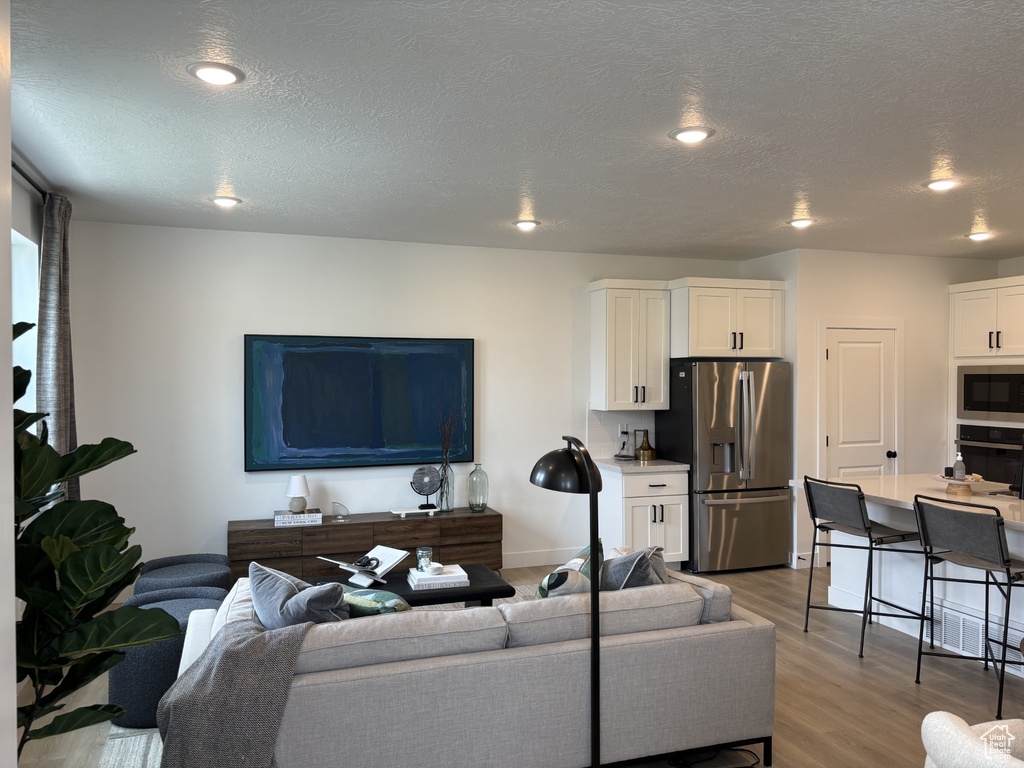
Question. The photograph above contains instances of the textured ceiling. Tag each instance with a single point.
(442, 121)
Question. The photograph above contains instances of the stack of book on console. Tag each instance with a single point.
(308, 517)
(450, 576)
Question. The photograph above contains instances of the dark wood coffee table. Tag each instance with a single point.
(485, 586)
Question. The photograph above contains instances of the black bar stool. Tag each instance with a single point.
(971, 536)
(840, 507)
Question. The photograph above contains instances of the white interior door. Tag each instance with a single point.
(860, 402)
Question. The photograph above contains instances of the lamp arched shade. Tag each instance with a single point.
(567, 470)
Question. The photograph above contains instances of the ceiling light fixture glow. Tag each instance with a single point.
(527, 225)
(979, 236)
(693, 134)
(215, 74)
(226, 202)
(800, 223)
(942, 185)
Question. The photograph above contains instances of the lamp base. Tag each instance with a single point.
(297, 504)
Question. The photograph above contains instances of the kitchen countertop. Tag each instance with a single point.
(641, 467)
(899, 490)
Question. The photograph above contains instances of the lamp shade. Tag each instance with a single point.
(567, 470)
(297, 486)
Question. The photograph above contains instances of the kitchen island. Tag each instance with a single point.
(898, 576)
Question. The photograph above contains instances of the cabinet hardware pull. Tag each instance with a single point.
(999, 339)
(657, 485)
(741, 339)
(663, 513)
(654, 513)
(734, 340)
(635, 396)
(643, 394)
(990, 340)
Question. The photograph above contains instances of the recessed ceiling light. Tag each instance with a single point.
(527, 225)
(942, 185)
(979, 236)
(693, 134)
(226, 202)
(215, 74)
(800, 223)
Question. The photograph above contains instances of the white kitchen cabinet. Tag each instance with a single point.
(988, 321)
(640, 509)
(727, 318)
(629, 327)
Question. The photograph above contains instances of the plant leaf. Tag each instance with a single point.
(80, 675)
(88, 573)
(86, 523)
(58, 549)
(86, 458)
(21, 328)
(40, 468)
(21, 381)
(125, 627)
(23, 420)
(82, 717)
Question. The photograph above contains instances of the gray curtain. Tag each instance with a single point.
(55, 380)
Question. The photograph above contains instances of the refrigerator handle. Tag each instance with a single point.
(742, 442)
(749, 426)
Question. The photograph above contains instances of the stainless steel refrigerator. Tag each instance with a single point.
(732, 422)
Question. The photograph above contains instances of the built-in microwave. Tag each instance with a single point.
(993, 392)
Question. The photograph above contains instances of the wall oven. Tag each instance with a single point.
(991, 392)
(992, 452)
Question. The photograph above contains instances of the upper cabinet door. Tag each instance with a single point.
(759, 323)
(653, 350)
(712, 321)
(975, 322)
(623, 348)
(1010, 325)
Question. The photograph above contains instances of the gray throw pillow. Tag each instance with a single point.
(281, 600)
(637, 569)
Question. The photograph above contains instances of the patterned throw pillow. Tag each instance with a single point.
(574, 576)
(281, 600)
(373, 602)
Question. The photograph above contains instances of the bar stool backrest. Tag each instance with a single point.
(837, 503)
(970, 529)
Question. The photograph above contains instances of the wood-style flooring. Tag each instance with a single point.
(832, 709)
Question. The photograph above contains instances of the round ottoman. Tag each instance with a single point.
(200, 570)
(140, 681)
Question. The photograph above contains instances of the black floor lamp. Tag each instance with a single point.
(571, 470)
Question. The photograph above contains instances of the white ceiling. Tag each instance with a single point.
(442, 121)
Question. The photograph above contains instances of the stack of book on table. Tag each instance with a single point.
(308, 517)
(450, 576)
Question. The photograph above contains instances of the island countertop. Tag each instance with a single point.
(899, 491)
(641, 467)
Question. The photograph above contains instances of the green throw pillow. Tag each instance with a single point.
(574, 576)
(281, 600)
(373, 602)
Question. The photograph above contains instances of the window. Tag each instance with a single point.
(25, 306)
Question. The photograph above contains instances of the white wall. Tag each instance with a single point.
(158, 318)
(1011, 267)
(26, 210)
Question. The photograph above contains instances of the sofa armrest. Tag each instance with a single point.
(197, 636)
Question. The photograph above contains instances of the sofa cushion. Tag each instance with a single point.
(373, 602)
(574, 576)
(644, 609)
(237, 605)
(281, 600)
(659, 571)
(636, 569)
(401, 637)
(717, 597)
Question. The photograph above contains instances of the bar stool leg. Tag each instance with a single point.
(931, 570)
(1006, 635)
(985, 665)
(866, 614)
(810, 578)
(930, 619)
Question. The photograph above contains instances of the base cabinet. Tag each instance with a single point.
(460, 537)
(647, 509)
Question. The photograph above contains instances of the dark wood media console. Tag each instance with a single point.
(459, 537)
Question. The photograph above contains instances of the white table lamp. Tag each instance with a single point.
(298, 490)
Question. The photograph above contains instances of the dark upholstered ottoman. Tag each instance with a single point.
(202, 570)
(138, 682)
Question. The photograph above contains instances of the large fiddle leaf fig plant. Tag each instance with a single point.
(72, 560)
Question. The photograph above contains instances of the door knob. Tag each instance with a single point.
(890, 454)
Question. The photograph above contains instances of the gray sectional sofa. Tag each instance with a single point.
(681, 667)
